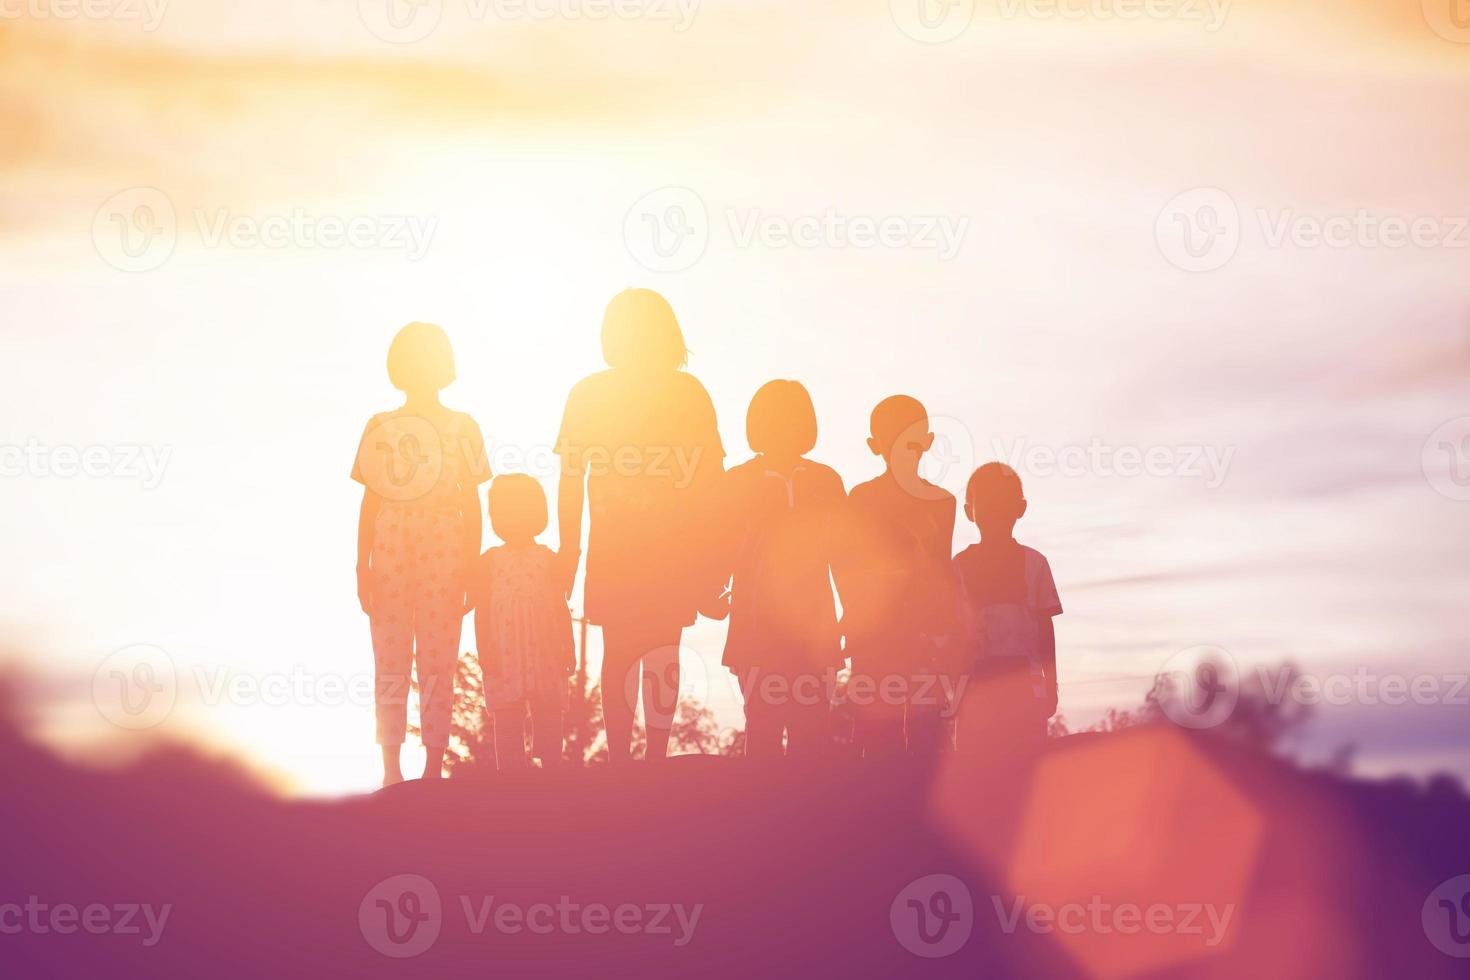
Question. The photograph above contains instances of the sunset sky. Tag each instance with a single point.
(502, 173)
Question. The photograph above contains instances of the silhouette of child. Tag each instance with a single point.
(892, 575)
(642, 457)
(779, 512)
(421, 466)
(523, 629)
(1007, 602)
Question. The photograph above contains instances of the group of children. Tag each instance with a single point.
(776, 544)
(919, 627)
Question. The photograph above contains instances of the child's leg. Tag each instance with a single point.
(763, 722)
(924, 714)
(392, 657)
(546, 728)
(619, 690)
(660, 691)
(510, 737)
(434, 661)
(636, 659)
(808, 729)
(438, 624)
(877, 717)
(923, 728)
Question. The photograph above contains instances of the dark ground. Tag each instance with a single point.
(795, 871)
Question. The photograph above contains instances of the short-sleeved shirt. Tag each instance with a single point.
(421, 462)
(651, 449)
(782, 533)
(893, 575)
(1006, 590)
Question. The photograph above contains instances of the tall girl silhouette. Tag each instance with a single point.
(640, 446)
(418, 534)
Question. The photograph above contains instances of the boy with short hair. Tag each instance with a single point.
(1008, 601)
(894, 583)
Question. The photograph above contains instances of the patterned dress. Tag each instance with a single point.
(420, 470)
(523, 629)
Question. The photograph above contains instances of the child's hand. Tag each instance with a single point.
(365, 590)
(568, 560)
(1052, 701)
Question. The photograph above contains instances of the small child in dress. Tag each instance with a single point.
(523, 629)
(1007, 603)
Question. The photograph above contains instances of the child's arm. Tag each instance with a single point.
(1049, 662)
(723, 518)
(479, 597)
(367, 528)
(1048, 605)
(571, 491)
(469, 506)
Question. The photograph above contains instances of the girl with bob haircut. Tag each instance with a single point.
(523, 629)
(640, 449)
(780, 512)
(418, 533)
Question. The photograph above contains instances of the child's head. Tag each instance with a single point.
(900, 433)
(781, 421)
(420, 359)
(517, 508)
(994, 500)
(639, 330)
